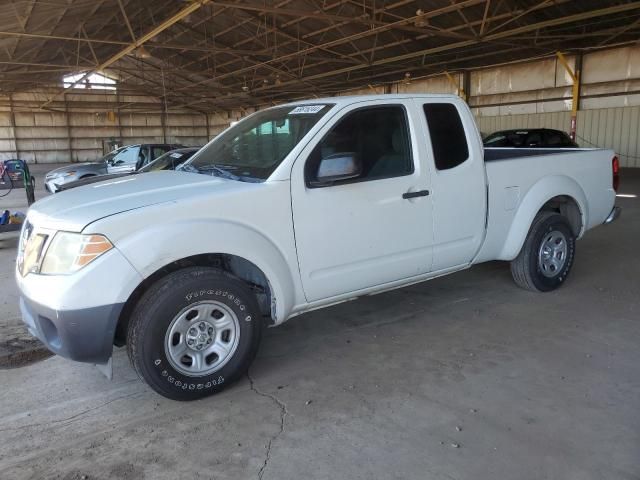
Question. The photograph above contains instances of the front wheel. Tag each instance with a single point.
(547, 255)
(194, 332)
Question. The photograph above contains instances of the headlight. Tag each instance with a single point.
(69, 252)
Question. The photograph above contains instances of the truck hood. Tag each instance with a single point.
(74, 209)
(74, 166)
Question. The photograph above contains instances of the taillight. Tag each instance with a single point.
(615, 169)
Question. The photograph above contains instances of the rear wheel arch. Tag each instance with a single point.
(568, 207)
(559, 194)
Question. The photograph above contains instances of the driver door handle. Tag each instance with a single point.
(419, 193)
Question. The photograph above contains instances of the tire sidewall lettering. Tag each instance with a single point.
(218, 378)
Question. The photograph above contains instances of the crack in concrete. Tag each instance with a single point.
(283, 414)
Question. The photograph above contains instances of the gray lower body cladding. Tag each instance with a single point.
(84, 335)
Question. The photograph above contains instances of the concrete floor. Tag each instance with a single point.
(463, 377)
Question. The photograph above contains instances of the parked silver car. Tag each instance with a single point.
(55, 178)
(122, 160)
(169, 161)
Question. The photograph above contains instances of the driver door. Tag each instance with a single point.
(370, 230)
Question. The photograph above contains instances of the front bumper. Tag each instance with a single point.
(615, 213)
(51, 186)
(76, 315)
(84, 335)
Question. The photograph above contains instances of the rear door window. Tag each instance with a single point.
(448, 138)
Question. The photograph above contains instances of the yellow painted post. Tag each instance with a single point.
(575, 91)
(459, 90)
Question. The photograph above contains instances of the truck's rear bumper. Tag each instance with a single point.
(84, 335)
(615, 213)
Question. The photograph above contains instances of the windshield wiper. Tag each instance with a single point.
(219, 172)
(187, 167)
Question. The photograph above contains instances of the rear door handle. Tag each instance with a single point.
(419, 193)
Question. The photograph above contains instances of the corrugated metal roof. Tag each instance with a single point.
(230, 54)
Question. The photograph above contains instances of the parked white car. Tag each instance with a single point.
(294, 208)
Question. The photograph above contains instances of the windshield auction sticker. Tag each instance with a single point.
(306, 109)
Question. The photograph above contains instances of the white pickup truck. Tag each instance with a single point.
(294, 208)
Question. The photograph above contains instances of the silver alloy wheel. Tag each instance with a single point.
(553, 253)
(202, 338)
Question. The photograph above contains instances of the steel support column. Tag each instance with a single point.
(575, 91)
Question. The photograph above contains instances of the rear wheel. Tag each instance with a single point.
(547, 255)
(194, 332)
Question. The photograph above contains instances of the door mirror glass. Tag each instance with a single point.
(338, 166)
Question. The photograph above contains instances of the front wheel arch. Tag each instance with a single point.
(237, 266)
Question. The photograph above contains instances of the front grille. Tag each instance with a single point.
(30, 249)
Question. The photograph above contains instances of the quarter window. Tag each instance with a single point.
(448, 138)
(379, 138)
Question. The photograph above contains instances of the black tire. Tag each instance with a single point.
(526, 268)
(164, 301)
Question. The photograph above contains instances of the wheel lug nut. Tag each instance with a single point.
(210, 331)
(189, 342)
(192, 331)
(199, 347)
(202, 326)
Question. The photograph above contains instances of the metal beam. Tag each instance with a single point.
(141, 41)
(126, 20)
(388, 26)
(297, 13)
(452, 46)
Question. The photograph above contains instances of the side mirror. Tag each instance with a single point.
(336, 167)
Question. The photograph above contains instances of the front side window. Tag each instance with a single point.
(127, 156)
(448, 138)
(377, 136)
(108, 158)
(254, 147)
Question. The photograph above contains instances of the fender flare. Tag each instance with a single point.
(535, 198)
(169, 242)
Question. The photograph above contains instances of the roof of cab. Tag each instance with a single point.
(349, 99)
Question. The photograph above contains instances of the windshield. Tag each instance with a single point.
(168, 161)
(253, 148)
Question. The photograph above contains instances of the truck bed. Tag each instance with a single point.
(507, 153)
(516, 180)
